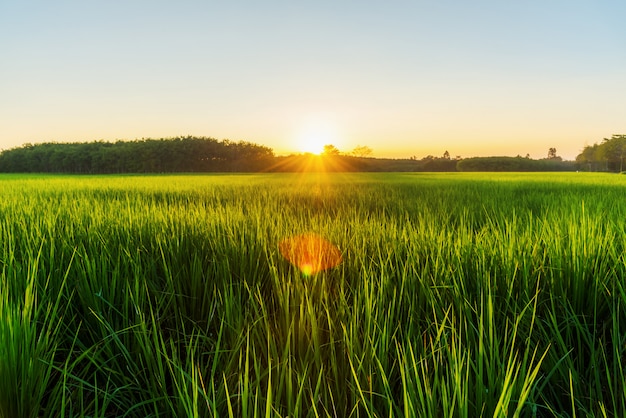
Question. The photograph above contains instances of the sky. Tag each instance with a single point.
(405, 78)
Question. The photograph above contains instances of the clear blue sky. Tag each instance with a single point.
(404, 78)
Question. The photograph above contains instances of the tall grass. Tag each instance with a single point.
(459, 295)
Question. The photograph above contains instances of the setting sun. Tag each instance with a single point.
(314, 135)
(312, 145)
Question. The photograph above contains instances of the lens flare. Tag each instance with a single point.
(311, 253)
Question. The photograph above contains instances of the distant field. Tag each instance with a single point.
(458, 295)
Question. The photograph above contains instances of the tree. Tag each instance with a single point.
(615, 151)
(588, 157)
(446, 155)
(330, 150)
(362, 151)
(609, 155)
(552, 154)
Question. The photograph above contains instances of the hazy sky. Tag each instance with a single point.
(402, 77)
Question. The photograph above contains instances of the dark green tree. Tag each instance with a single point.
(552, 154)
(615, 152)
(182, 154)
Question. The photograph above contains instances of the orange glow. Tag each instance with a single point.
(311, 253)
(310, 163)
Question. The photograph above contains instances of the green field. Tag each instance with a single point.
(458, 295)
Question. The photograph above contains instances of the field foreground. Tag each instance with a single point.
(457, 295)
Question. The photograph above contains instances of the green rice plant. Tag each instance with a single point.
(459, 294)
(31, 326)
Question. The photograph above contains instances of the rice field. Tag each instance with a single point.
(454, 295)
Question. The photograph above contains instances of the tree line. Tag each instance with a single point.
(515, 164)
(608, 155)
(197, 154)
(181, 154)
(203, 154)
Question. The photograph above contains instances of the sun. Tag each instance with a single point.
(312, 145)
(313, 137)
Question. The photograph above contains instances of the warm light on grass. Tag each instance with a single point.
(311, 253)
